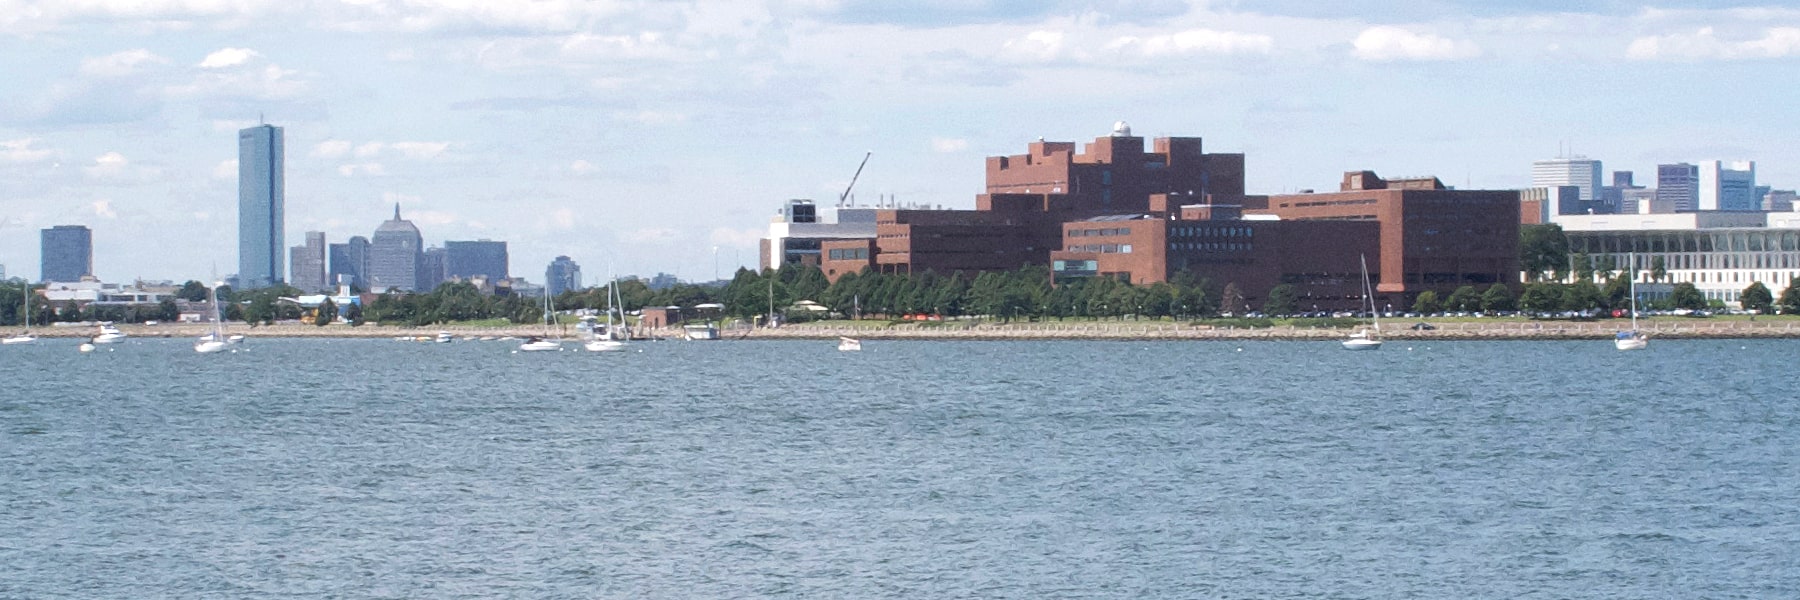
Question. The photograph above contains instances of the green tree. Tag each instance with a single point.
(1686, 296)
(1541, 298)
(354, 314)
(1543, 249)
(1464, 298)
(1497, 298)
(1426, 303)
(327, 311)
(1281, 300)
(192, 291)
(1583, 266)
(1581, 296)
(167, 310)
(1232, 300)
(1757, 298)
(1658, 270)
(1790, 298)
(1616, 294)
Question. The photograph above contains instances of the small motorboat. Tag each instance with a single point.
(849, 344)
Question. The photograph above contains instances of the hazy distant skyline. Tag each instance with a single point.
(636, 137)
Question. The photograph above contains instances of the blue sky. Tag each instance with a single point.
(637, 137)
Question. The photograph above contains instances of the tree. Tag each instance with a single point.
(1757, 298)
(1497, 298)
(1232, 300)
(1584, 266)
(354, 314)
(1790, 298)
(167, 310)
(1465, 298)
(192, 291)
(1426, 303)
(1686, 296)
(1281, 300)
(1658, 270)
(1543, 249)
(1581, 296)
(326, 312)
(1541, 298)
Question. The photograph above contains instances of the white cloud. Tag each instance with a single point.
(331, 149)
(226, 169)
(948, 145)
(228, 57)
(367, 169)
(431, 217)
(103, 209)
(1037, 46)
(653, 117)
(24, 150)
(121, 63)
(728, 236)
(583, 167)
(653, 235)
(420, 150)
(1195, 41)
(561, 219)
(113, 166)
(1705, 44)
(368, 149)
(1389, 43)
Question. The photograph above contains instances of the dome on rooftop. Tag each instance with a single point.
(1121, 129)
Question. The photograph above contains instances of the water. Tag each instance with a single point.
(379, 469)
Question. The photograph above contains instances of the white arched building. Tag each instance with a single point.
(1720, 252)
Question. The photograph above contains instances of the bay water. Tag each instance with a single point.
(345, 468)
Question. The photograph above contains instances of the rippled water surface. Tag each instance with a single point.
(380, 469)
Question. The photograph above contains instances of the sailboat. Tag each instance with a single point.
(848, 344)
(214, 342)
(26, 337)
(1367, 339)
(109, 334)
(543, 343)
(1632, 339)
(614, 338)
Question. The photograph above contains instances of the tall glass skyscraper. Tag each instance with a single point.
(350, 263)
(261, 185)
(395, 255)
(561, 276)
(483, 257)
(67, 253)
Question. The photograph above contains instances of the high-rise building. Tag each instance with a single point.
(1579, 171)
(431, 269)
(306, 264)
(464, 260)
(1728, 185)
(350, 263)
(1618, 196)
(1678, 186)
(562, 275)
(261, 185)
(67, 253)
(1773, 200)
(395, 254)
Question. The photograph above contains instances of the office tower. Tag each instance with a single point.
(67, 253)
(395, 254)
(1728, 185)
(431, 269)
(261, 185)
(1618, 197)
(562, 275)
(464, 260)
(350, 263)
(1581, 172)
(306, 264)
(1678, 186)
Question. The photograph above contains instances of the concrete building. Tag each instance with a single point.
(1544, 205)
(261, 200)
(1580, 171)
(1678, 186)
(1431, 237)
(1778, 200)
(350, 263)
(66, 253)
(1727, 185)
(487, 258)
(796, 232)
(306, 264)
(431, 268)
(1721, 253)
(395, 255)
(562, 275)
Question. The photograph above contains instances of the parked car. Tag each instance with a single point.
(1423, 326)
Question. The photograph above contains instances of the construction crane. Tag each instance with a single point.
(845, 197)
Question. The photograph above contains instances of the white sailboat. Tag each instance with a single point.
(109, 334)
(214, 342)
(1367, 339)
(543, 343)
(614, 338)
(1632, 339)
(26, 337)
(846, 344)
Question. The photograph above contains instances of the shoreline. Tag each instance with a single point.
(1046, 330)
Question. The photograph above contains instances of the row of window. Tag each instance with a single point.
(849, 254)
(1213, 246)
(1715, 261)
(1097, 232)
(1228, 232)
(1330, 203)
(1101, 248)
(1596, 243)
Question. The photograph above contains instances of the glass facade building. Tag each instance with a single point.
(67, 253)
(395, 255)
(562, 275)
(464, 260)
(261, 185)
(350, 263)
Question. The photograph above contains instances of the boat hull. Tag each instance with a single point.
(604, 346)
(209, 347)
(18, 339)
(1362, 344)
(1631, 343)
(539, 347)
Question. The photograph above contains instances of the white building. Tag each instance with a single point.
(1721, 253)
(1728, 185)
(1579, 171)
(796, 232)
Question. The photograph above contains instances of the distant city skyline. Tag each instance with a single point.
(644, 138)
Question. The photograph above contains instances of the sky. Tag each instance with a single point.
(647, 136)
